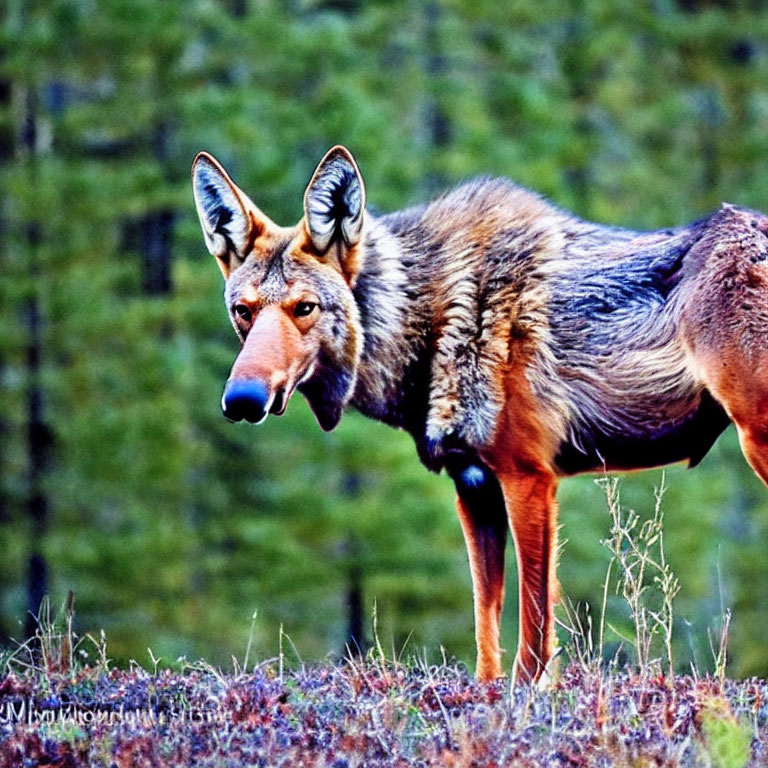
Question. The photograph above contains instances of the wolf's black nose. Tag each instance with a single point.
(245, 399)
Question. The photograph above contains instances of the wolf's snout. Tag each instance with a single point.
(245, 399)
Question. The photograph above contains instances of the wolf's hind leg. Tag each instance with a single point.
(725, 323)
(745, 398)
(736, 375)
(740, 384)
(754, 444)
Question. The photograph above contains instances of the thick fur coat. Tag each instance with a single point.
(514, 341)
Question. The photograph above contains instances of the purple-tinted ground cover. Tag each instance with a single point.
(376, 714)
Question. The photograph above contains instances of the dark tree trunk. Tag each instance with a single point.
(238, 8)
(4, 438)
(157, 229)
(355, 640)
(156, 245)
(438, 126)
(38, 434)
(38, 447)
(6, 153)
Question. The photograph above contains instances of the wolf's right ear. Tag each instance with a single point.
(230, 221)
(334, 202)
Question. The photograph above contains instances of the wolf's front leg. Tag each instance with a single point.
(483, 520)
(530, 501)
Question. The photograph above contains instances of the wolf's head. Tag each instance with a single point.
(289, 290)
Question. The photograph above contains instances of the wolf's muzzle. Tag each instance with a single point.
(245, 399)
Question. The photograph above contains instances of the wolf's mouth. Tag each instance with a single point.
(283, 394)
(279, 402)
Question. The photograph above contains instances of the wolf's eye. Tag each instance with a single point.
(242, 312)
(304, 308)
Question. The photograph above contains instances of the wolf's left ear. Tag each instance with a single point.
(230, 221)
(335, 201)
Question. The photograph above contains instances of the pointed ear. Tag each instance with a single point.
(230, 221)
(335, 201)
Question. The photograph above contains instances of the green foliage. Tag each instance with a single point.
(173, 526)
(728, 741)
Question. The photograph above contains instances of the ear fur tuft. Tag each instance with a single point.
(226, 214)
(334, 202)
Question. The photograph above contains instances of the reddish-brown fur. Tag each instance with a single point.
(515, 343)
(519, 457)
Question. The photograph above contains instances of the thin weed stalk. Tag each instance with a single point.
(644, 577)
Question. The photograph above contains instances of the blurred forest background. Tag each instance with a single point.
(119, 478)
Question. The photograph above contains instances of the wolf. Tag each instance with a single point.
(517, 344)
